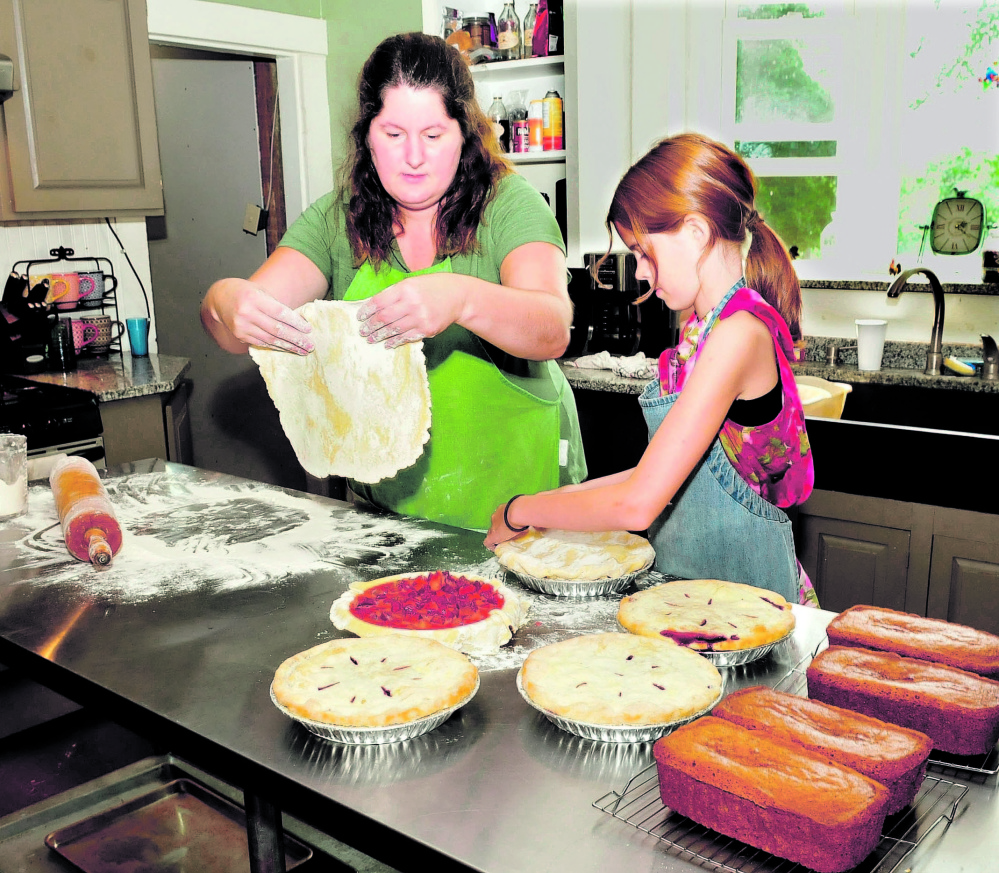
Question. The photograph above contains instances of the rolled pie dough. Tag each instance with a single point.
(349, 408)
(576, 555)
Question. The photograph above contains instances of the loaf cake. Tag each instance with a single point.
(892, 755)
(708, 615)
(620, 679)
(958, 710)
(468, 613)
(785, 800)
(932, 639)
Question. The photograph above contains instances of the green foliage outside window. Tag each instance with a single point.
(799, 208)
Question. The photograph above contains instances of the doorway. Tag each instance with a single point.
(210, 155)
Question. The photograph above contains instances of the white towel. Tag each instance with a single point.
(635, 367)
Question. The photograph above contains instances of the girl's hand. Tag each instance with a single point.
(411, 310)
(498, 530)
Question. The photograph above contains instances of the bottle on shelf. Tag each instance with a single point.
(519, 130)
(527, 42)
(535, 124)
(508, 34)
(500, 120)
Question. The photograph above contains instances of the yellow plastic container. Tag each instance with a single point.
(829, 399)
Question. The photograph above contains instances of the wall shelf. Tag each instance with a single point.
(508, 71)
(551, 157)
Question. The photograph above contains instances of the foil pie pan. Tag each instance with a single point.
(578, 588)
(361, 736)
(618, 733)
(739, 657)
(744, 656)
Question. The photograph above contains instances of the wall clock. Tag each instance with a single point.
(957, 226)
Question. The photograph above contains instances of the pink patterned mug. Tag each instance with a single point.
(83, 334)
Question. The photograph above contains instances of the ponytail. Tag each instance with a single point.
(769, 271)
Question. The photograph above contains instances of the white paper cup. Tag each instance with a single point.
(870, 343)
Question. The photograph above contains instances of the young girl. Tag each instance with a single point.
(727, 444)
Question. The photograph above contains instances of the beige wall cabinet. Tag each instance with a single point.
(929, 560)
(78, 136)
(153, 426)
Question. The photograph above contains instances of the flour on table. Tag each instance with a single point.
(561, 617)
(215, 537)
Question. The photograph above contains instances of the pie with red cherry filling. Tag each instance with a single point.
(468, 613)
(708, 615)
(373, 683)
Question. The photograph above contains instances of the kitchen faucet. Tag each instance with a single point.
(934, 357)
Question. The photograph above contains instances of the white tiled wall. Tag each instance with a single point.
(32, 241)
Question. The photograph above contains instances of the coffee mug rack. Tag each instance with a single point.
(99, 299)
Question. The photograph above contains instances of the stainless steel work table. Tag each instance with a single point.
(227, 578)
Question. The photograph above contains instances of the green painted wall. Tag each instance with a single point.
(354, 29)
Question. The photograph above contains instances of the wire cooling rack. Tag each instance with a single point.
(795, 682)
(640, 806)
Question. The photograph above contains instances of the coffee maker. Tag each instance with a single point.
(614, 323)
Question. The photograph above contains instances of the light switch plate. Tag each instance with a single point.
(254, 219)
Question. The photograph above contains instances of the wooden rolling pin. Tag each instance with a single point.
(89, 526)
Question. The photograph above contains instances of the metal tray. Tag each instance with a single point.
(180, 826)
(616, 733)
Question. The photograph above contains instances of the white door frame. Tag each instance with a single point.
(300, 47)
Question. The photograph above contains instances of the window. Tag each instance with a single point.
(856, 118)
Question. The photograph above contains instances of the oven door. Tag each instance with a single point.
(41, 460)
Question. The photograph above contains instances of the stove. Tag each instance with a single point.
(54, 418)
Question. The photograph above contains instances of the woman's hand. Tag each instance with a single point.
(260, 311)
(412, 310)
(255, 318)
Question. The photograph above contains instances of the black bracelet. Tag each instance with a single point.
(506, 516)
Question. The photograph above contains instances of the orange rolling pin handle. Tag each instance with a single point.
(98, 549)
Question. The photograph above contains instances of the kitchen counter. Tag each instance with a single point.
(902, 365)
(221, 579)
(121, 377)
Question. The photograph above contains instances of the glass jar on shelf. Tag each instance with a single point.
(527, 40)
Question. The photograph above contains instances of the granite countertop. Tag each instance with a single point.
(902, 364)
(119, 377)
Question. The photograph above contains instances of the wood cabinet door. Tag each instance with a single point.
(80, 128)
(964, 581)
(850, 562)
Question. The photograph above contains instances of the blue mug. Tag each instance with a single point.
(138, 336)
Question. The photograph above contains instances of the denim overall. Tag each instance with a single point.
(716, 526)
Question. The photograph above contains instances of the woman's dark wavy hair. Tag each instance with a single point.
(690, 173)
(420, 60)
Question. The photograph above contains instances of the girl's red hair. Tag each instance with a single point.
(688, 174)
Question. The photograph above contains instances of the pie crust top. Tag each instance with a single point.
(349, 408)
(468, 613)
(374, 683)
(620, 679)
(576, 555)
(708, 615)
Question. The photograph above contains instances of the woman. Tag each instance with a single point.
(727, 445)
(448, 246)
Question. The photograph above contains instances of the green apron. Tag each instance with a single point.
(489, 438)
